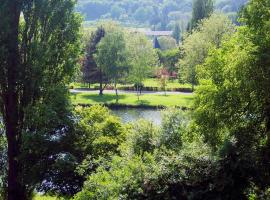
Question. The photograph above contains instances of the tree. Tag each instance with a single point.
(111, 56)
(142, 58)
(169, 59)
(98, 135)
(232, 106)
(39, 48)
(117, 11)
(167, 43)
(142, 14)
(197, 45)
(163, 76)
(200, 9)
(91, 72)
(177, 33)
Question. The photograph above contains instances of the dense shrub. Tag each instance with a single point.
(98, 136)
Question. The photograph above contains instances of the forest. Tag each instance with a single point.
(159, 14)
(107, 112)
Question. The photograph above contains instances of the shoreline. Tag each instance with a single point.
(141, 106)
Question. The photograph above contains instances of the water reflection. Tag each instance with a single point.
(133, 114)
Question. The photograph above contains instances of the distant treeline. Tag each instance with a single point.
(159, 14)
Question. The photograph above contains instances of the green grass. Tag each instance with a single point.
(38, 197)
(181, 100)
(150, 82)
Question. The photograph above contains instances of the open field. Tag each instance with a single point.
(169, 100)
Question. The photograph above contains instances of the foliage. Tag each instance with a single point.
(232, 103)
(145, 169)
(39, 50)
(142, 138)
(174, 125)
(169, 59)
(167, 43)
(230, 6)
(163, 76)
(224, 152)
(142, 58)
(111, 56)
(3, 164)
(97, 135)
(91, 73)
(143, 12)
(177, 32)
(123, 180)
(201, 9)
(159, 15)
(197, 45)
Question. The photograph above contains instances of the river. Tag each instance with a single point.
(133, 114)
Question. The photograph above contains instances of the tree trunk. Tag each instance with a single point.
(15, 190)
(116, 90)
(137, 88)
(267, 126)
(100, 83)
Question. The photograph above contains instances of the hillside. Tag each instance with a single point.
(158, 14)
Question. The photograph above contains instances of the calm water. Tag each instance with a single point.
(134, 114)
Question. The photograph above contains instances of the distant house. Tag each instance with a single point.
(154, 34)
(151, 33)
(158, 33)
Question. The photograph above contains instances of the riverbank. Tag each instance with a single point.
(150, 100)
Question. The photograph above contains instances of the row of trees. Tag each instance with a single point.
(205, 31)
(114, 55)
(136, 59)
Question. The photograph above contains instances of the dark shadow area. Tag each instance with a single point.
(143, 102)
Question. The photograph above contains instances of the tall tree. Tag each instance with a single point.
(38, 51)
(169, 59)
(111, 56)
(91, 72)
(200, 9)
(142, 58)
(198, 44)
(177, 32)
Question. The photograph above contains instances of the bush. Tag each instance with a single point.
(124, 180)
(174, 126)
(142, 137)
(98, 134)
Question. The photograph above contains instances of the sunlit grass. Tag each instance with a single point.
(38, 197)
(169, 100)
(150, 82)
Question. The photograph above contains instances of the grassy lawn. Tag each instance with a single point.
(181, 100)
(37, 197)
(150, 82)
